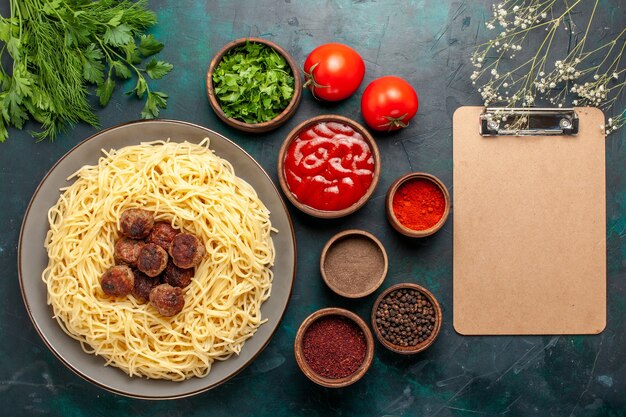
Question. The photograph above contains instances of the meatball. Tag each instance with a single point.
(127, 251)
(143, 285)
(136, 223)
(177, 277)
(186, 250)
(162, 234)
(167, 300)
(118, 281)
(152, 260)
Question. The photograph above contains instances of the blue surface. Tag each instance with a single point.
(427, 42)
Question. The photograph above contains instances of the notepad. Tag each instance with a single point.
(529, 218)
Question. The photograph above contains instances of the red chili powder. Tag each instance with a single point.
(418, 204)
(334, 347)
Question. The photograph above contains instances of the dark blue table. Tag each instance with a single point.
(427, 42)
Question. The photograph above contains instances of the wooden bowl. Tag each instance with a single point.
(263, 126)
(346, 237)
(394, 220)
(328, 382)
(326, 214)
(408, 350)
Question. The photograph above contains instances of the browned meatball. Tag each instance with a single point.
(127, 251)
(118, 281)
(186, 250)
(143, 285)
(152, 260)
(167, 300)
(162, 234)
(136, 223)
(177, 277)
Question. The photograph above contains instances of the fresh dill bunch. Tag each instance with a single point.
(61, 47)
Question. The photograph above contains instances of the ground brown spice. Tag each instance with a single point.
(354, 264)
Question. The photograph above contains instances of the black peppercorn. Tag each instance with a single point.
(405, 317)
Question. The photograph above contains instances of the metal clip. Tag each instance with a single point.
(499, 121)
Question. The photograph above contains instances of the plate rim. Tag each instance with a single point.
(70, 366)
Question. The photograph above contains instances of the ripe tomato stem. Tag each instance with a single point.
(310, 80)
(395, 122)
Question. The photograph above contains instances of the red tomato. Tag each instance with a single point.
(333, 71)
(388, 103)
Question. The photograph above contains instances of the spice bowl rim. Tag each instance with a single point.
(409, 350)
(391, 216)
(261, 127)
(329, 382)
(328, 214)
(345, 234)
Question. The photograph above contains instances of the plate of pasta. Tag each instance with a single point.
(156, 259)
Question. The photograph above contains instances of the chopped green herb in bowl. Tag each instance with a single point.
(251, 85)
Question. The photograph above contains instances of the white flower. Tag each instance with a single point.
(515, 8)
(552, 85)
(544, 15)
(595, 77)
(615, 75)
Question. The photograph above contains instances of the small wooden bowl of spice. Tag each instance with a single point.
(417, 204)
(353, 263)
(254, 85)
(334, 347)
(328, 166)
(406, 318)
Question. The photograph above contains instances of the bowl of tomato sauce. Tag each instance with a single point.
(328, 166)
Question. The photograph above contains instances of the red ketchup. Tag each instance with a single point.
(329, 166)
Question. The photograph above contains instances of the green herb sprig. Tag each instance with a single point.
(60, 47)
(253, 83)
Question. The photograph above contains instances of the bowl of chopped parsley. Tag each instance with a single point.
(254, 85)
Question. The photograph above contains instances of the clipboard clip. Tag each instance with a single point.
(518, 121)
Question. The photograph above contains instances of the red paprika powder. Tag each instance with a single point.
(334, 347)
(418, 204)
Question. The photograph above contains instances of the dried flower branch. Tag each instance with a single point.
(580, 76)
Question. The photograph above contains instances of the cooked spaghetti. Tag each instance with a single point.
(195, 190)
